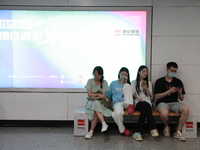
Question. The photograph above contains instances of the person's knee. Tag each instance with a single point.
(164, 113)
(185, 110)
(147, 106)
(126, 86)
(118, 113)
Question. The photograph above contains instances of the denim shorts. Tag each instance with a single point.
(172, 107)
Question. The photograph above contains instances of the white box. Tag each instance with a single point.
(80, 122)
(189, 130)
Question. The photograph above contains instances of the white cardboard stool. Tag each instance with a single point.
(80, 122)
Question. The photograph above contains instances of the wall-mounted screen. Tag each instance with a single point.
(56, 50)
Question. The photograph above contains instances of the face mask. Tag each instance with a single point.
(171, 74)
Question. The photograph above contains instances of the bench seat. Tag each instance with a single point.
(154, 113)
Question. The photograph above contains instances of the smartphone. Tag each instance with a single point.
(124, 79)
(180, 87)
(144, 82)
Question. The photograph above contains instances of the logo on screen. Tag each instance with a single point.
(117, 32)
(126, 32)
(189, 124)
(131, 32)
(81, 122)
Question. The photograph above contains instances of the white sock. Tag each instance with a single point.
(91, 131)
(104, 123)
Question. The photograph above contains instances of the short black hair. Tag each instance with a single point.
(172, 64)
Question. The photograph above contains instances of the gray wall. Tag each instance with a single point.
(175, 37)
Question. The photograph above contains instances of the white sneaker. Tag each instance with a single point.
(89, 135)
(137, 136)
(167, 131)
(104, 127)
(179, 136)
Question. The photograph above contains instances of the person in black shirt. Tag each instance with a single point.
(168, 91)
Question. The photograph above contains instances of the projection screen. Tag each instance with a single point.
(53, 49)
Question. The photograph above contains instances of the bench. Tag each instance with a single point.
(133, 118)
(154, 113)
(81, 122)
(130, 118)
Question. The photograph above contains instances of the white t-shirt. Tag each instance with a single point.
(141, 92)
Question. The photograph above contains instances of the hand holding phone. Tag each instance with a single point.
(180, 90)
(144, 82)
(124, 79)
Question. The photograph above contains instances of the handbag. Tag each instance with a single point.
(105, 102)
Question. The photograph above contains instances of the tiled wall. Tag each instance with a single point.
(175, 37)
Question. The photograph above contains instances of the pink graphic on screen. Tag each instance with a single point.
(59, 49)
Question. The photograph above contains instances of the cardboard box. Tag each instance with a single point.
(190, 128)
(80, 122)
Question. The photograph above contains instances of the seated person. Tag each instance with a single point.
(168, 91)
(94, 109)
(120, 102)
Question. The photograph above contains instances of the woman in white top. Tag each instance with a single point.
(142, 91)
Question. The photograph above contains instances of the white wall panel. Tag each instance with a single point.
(176, 3)
(34, 2)
(183, 50)
(176, 21)
(157, 71)
(75, 100)
(189, 75)
(110, 2)
(33, 106)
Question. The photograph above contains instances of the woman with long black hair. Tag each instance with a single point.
(142, 91)
(121, 99)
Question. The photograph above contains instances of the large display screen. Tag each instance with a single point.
(51, 49)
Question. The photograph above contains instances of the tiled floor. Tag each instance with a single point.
(62, 138)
